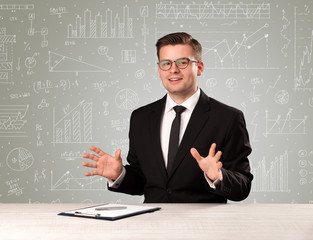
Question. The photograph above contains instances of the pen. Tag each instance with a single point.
(109, 208)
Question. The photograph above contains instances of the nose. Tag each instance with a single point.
(174, 68)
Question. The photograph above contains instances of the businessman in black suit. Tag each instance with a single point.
(185, 147)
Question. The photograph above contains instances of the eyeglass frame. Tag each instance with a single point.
(188, 59)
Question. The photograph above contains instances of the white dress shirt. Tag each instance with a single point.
(166, 124)
(168, 117)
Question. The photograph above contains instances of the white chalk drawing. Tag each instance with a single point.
(67, 182)
(255, 97)
(12, 120)
(254, 127)
(16, 7)
(71, 155)
(32, 31)
(57, 11)
(101, 26)
(140, 74)
(47, 85)
(126, 99)
(43, 104)
(128, 56)
(273, 177)
(6, 56)
(231, 83)
(282, 97)
(270, 87)
(144, 30)
(283, 34)
(211, 83)
(30, 63)
(303, 48)
(19, 159)
(103, 50)
(236, 50)
(75, 126)
(285, 125)
(61, 63)
(305, 167)
(14, 188)
(213, 11)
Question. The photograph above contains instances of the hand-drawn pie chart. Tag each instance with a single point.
(20, 159)
(126, 99)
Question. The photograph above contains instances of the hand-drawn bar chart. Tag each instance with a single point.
(101, 26)
(75, 126)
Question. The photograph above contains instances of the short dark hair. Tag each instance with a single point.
(180, 38)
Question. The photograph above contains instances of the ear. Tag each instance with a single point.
(200, 66)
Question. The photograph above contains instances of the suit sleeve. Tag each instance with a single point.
(134, 180)
(237, 178)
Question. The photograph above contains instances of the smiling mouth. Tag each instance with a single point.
(175, 79)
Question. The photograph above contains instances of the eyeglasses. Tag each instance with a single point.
(181, 63)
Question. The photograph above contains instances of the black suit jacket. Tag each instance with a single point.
(210, 122)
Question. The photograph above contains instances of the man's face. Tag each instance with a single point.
(180, 83)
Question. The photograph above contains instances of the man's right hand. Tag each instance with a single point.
(105, 165)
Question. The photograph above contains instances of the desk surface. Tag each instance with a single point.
(173, 221)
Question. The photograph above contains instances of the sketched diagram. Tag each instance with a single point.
(6, 55)
(303, 47)
(102, 26)
(213, 11)
(12, 120)
(20, 159)
(306, 167)
(285, 125)
(126, 99)
(61, 63)
(75, 126)
(69, 183)
(228, 53)
(274, 178)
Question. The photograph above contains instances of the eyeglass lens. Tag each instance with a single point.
(180, 63)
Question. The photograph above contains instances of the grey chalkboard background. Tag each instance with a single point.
(71, 73)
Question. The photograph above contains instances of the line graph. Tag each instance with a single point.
(229, 53)
(213, 11)
(303, 48)
(12, 120)
(67, 182)
(285, 125)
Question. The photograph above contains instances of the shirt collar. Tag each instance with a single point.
(189, 104)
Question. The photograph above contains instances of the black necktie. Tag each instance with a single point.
(174, 137)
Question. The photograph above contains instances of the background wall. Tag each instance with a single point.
(71, 73)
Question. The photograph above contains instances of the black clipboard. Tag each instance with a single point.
(110, 211)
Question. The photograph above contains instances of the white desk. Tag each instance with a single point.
(173, 221)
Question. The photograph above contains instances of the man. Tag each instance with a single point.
(173, 153)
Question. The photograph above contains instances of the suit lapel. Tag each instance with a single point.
(155, 121)
(197, 120)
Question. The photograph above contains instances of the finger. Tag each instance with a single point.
(195, 154)
(92, 173)
(218, 156)
(219, 165)
(97, 150)
(91, 156)
(90, 165)
(118, 154)
(212, 150)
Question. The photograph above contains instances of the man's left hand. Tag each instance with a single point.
(211, 164)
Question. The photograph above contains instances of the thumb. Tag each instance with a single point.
(118, 154)
(195, 154)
